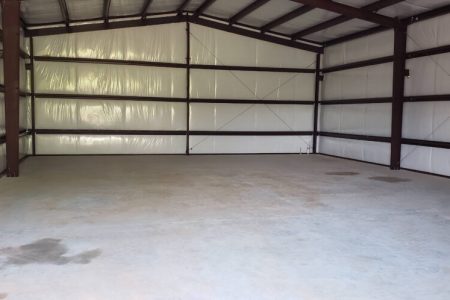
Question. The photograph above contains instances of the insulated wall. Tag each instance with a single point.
(355, 111)
(218, 48)
(427, 117)
(132, 91)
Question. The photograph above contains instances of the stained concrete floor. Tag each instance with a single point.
(222, 227)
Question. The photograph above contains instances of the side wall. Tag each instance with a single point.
(350, 126)
(132, 91)
(427, 117)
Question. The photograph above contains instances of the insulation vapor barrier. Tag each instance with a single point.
(111, 115)
(250, 144)
(251, 117)
(365, 119)
(374, 152)
(215, 47)
(167, 43)
(109, 144)
(428, 120)
(101, 79)
(358, 83)
(162, 44)
(213, 84)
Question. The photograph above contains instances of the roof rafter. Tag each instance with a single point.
(106, 6)
(287, 17)
(64, 11)
(183, 6)
(341, 19)
(247, 10)
(204, 6)
(350, 11)
(411, 19)
(145, 8)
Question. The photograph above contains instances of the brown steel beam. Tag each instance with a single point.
(64, 12)
(400, 36)
(204, 6)
(341, 19)
(183, 6)
(247, 10)
(440, 11)
(350, 11)
(145, 8)
(107, 26)
(106, 6)
(287, 17)
(256, 35)
(316, 102)
(11, 54)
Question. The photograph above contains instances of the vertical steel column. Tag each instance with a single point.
(316, 103)
(11, 57)
(188, 82)
(400, 34)
(33, 98)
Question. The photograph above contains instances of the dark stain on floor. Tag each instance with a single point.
(389, 179)
(343, 173)
(45, 251)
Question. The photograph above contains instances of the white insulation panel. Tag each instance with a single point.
(162, 43)
(375, 152)
(250, 144)
(251, 117)
(429, 33)
(112, 115)
(218, 84)
(429, 75)
(103, 79)
(25, 146)
(109, 144)
(2, 114)
(371, 46)
(426, 159)
(366, 82)
(366, 119)
(215, 47)
(427, 121)
(2, 157)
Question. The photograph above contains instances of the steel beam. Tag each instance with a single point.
(316, 102)
(350, 11)
(64, 12)
(106, 6)
(256, 35)
(400, 36)
(341, 19)
(247, 10)
(183, 6)
(287, 17)
(11, 57)
(440, 11)
(145, 8)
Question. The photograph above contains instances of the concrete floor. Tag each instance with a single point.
(222, 227)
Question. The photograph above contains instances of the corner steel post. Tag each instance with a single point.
(33, 98)
(316, 103)
(400, 34)
(188, 83)
(11, 57)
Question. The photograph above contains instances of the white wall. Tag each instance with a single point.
(167, 43)
(358, 83)
(428, 76)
